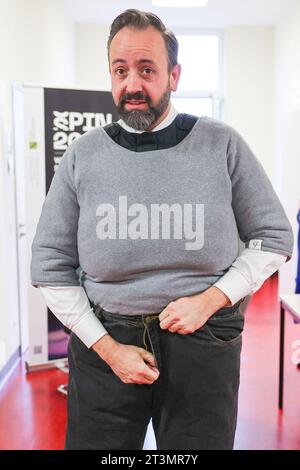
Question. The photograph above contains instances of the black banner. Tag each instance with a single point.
(69, 114)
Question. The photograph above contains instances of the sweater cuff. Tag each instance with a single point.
(89, 329)
(234, 285)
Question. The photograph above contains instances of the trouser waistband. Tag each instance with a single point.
(147, 317)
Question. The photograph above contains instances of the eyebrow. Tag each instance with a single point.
(141, 61)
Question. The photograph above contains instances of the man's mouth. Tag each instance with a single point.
(135, 103)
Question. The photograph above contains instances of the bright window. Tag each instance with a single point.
(200, 86)
(195, 106)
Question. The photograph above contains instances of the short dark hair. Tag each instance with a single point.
(140, 20)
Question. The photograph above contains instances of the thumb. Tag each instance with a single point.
(148, 357)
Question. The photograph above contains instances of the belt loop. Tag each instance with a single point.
(97, 310)
(239, 302)
(81, 277)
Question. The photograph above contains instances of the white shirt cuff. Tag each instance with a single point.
(248, 272)
(71, 306)
(234, 285)
(89, 329)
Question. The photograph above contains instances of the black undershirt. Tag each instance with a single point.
(162, 139)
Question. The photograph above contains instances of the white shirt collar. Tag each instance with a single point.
(164, 123)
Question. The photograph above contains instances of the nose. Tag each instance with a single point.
(133, 83)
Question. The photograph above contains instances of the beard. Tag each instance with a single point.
(142, 119)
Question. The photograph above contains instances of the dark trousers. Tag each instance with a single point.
(193, 403)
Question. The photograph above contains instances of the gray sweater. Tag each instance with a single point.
(144, 228)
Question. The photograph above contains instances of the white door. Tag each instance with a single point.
(20, 175)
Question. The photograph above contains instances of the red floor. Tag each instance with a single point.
(260, 424)
(33, 413)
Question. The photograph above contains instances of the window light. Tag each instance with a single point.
(180, 3)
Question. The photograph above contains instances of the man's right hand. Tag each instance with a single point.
(127, 361)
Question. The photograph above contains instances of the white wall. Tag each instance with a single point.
(249, 88)
(91, 56)
(36, 45)
(36, 42)
(287, 39)
(3, 252)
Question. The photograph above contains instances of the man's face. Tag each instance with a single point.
(141, 83)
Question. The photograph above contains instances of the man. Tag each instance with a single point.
(141, 259)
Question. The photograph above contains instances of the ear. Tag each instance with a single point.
(174, 77)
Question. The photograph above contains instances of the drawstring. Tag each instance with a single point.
(146, 320)
(144, 339)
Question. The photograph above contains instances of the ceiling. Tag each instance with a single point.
(218, 13)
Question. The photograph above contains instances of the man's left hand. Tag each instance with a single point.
(187, 314)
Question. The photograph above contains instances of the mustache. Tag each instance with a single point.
(136, 96)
